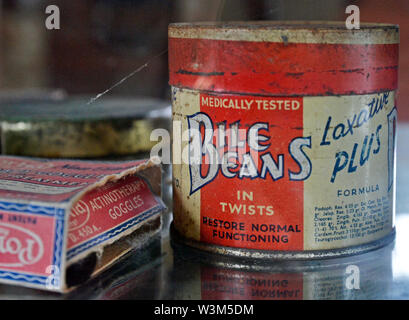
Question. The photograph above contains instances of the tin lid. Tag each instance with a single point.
(284, 58)
(69, 128)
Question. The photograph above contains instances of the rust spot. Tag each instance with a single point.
(352, 70)
(387, 68)
(294, 74)
(204, 74)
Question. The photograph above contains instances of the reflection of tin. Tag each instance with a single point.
(291, 137)
(201, 275)
(70, 128)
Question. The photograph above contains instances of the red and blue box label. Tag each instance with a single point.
(54, 213)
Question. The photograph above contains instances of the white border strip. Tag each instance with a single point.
(383, 34)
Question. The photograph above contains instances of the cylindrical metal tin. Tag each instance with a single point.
(69, 127)
(286, 132)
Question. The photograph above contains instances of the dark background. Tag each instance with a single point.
(101, 41)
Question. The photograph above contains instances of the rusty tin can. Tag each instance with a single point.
(286, 132)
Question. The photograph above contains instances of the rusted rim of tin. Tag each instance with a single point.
(264, 255)
(337, 25)
(334, 32)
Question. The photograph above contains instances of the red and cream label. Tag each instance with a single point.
(284, 173)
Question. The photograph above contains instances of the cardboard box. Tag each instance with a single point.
(138, 276)
(65, 221)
